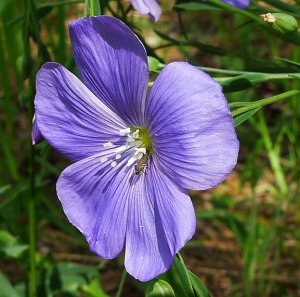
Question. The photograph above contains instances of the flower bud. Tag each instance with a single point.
(281, 22)
(159, 287)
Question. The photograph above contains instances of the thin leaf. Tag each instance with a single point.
(288, 61)
(184, 275)
(198, 286)
(260, 103)
(239, 119)
(244, 81)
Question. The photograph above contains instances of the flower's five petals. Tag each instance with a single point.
(161, 221)
(150, 7)
(191, 127)
(112, 63)
(70, 117)
(238, 3)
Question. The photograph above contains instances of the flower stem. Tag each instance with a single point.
(86, 5)
(29, 17)
(94, 7)
(121, 284)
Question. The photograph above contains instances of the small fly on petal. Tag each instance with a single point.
(142, 164)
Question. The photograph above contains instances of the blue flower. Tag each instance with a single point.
(134, 157)
(150, 7)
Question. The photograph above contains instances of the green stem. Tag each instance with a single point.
(250, 249)
(273, 156)
(29, 15)
(86, 5)
(121, 284)
(237, 72)
(31, 205)
(94, 7)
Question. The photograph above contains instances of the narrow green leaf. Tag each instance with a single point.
(198, 286)
(288, 61)
(183, 275)
(266, 101)
(239, 119)
(259, 103)
(243, 82)
(6, 289)
(159, 288)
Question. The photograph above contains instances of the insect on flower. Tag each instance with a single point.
(141, 165)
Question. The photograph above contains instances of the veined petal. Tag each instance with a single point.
(93, 196)
(161, 220)
(191, 127)
(112, 206)
(113, 64)
(150, 7)
(70, 117)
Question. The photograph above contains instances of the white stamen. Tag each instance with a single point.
(108, 144)
(124, 131)
(118, 156)
(104, 159)
(268, 18)
(140, 150)
(113, 164)
(121, 148)
(131, 161)
(136, 134)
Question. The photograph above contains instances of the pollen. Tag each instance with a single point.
(125, 131)
(108, 144)
(104, 159)
(113, 164)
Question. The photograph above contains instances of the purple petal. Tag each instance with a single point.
(70, 117)
(150, 7)
(191, 127)
(113, 64)
(162, 220)
(238, 3)
(93, 196)
(36, 135)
